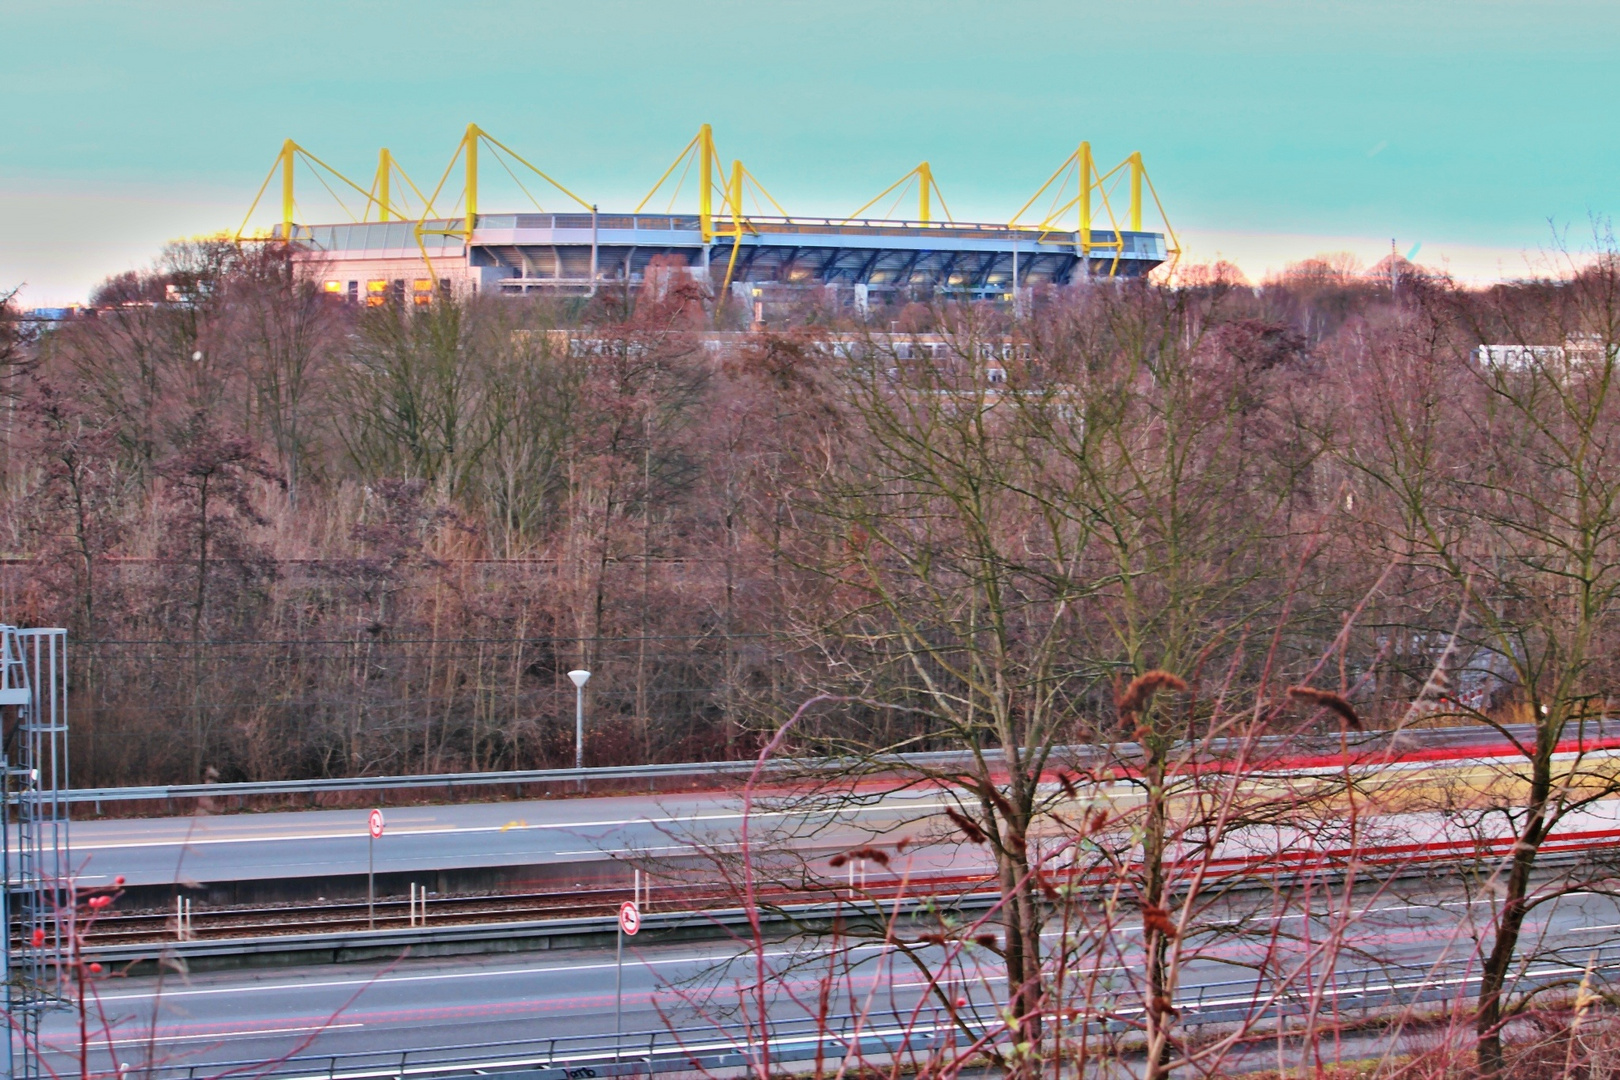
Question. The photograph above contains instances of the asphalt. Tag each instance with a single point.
(411, 1005)
(263, 1015)
(563, 842)
(561, 832)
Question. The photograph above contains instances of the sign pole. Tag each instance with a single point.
(618, 997)
(374, 829)
(629, 924)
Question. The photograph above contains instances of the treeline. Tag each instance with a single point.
(292, 537)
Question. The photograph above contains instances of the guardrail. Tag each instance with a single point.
(927, 1030)
(458, 938)
(630, 773)
(393, 783)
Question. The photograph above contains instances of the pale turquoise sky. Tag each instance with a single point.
(1273, 129)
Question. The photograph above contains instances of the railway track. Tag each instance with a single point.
(133, 928)
(155, 927)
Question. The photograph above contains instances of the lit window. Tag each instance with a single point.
(376, 293)
(333, 286)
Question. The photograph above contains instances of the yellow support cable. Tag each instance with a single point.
(1116, 174)
(874, 200)
(382, 188)
(1174, 247)
(676, 194)
(448, 169)
(1087, 181)
(702, 148)
(927, 191)
(734, 199)
(940, 195)
(405, 176)
(521, 186)
(286, 161)
(335, 196)
(682, 156)
(259, 195)
(521, 160)
(467, 153)
(421, 230)
(1061, 169)
(312, 159)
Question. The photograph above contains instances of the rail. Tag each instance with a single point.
(518, 777)
(1370, 742)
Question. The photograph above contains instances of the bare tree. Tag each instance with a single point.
(287, 330)
(212, 512)
(75, 516)
(1502, 482)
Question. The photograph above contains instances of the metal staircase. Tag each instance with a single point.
(36, 905)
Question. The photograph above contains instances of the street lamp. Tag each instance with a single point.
(580, 678)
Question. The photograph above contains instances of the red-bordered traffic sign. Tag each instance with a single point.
(629, 918)
(375, 823)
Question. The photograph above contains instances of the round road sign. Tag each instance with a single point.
(375, 822)
(629, 918)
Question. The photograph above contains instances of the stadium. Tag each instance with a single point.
(400, 245)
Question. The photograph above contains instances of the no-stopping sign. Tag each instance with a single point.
(629, 918)
(375, 822)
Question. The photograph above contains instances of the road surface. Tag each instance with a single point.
(265, 1015)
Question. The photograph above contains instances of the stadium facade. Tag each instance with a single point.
(413, 256)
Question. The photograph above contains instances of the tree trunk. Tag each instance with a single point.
(1494, 972)
(1160, 985)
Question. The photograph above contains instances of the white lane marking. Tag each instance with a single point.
(142, 1041)
(205, 841)
(390, 980)
(386, 979)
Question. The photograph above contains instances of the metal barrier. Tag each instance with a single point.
(393, 783)
(1061, 756)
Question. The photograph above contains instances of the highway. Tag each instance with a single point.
(325, 843)
(265, 1015)
(262, 1015)
(562, 842)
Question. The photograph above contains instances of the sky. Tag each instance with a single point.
(1483, 132)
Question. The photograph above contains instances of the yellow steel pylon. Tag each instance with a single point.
(1090, 185)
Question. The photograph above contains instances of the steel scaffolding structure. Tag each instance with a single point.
(36, 905)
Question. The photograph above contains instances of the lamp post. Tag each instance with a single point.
(579, 678)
